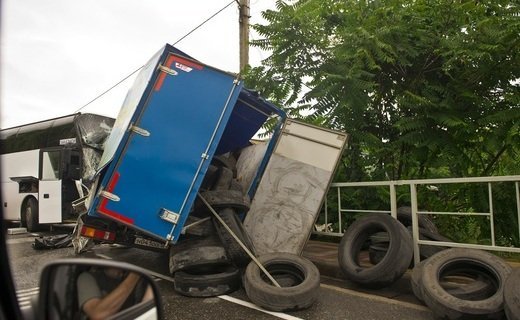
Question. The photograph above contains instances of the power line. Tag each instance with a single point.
(176, 42)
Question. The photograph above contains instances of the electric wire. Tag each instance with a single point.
(136, 70)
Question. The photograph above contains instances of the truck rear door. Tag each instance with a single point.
(162, 142)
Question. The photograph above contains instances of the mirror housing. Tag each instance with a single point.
(75, 288)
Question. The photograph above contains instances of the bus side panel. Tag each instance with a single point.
(12, 200)
(19, 164)
(49, 204)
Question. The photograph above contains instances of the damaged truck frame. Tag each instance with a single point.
(180, 154)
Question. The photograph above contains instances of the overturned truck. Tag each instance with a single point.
(180, 173)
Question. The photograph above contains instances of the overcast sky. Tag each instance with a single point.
(57, 55)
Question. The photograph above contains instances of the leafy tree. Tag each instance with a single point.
(426, 88)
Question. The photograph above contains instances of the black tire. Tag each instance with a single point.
(31, 215)
(377, 252)
(194, 226)
(225, 177)
(197, 252)
(404, 215)
(235, 252)
(447, 306)
(212, 281)
(227, 161)
(219, 199)
(416, 281)
(426, 250)
(392, 266)
(512, 295)
(298, 277)
(459, 284)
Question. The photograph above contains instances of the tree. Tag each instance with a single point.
(426, 88)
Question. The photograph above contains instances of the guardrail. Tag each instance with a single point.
(413, 184)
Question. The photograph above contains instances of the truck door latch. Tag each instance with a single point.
(168, 70)
(169, 216)
(140, 131)
(109, 196)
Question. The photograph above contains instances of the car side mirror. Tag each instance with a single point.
(96, 289)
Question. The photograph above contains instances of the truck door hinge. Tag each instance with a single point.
(109, 196)
(170, 216)
(140, 131)
(168, 70)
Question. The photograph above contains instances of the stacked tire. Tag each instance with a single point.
(206, 262)
(391, 266)
(209, 261)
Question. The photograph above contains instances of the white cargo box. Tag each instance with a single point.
(293, 187)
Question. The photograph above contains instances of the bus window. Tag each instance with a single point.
(50, 163)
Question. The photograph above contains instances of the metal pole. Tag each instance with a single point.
(393, 201)
(415, 224)
(518, 206)
(246, 249)
(243, 21)
(491, 214)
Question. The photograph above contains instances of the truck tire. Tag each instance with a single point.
(193, 252)
(477, 262)
(392, 266)
(196, 257)
(31, 215)
(235, 252)
(462, 285)
(227, 161)
(426, 250)
(416, 281)
(219, 199)
(404, 215)
(379, 241)
(512, 295)
(298, 277)
(212, 281)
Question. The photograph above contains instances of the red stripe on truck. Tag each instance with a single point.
(103, 205)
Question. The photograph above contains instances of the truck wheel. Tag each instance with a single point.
(298, 277)
(212, 281)
(473, 262)
(30, 214)
(391, 267)
(233, 249)
(512, 295)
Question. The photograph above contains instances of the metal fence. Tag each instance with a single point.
(413, 184)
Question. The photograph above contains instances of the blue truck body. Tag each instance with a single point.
(179, 114)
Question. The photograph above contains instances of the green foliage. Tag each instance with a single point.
(426, 88)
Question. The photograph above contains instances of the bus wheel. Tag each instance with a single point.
(30, 212)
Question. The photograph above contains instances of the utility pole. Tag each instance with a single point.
(243, 20)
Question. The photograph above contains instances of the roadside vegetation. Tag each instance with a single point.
(425, 88)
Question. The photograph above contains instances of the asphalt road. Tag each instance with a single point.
(335, 301)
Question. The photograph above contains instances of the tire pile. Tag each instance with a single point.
(208, 261)
(453, 283)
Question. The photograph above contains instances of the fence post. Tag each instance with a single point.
(491, 214)
(518, 206)
(415, 224)
(339, 211)
(393, 200)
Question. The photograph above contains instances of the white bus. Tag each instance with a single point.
(47, 165)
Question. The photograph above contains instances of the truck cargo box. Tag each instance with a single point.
(178, 115)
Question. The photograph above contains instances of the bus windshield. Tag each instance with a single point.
(94, 130)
